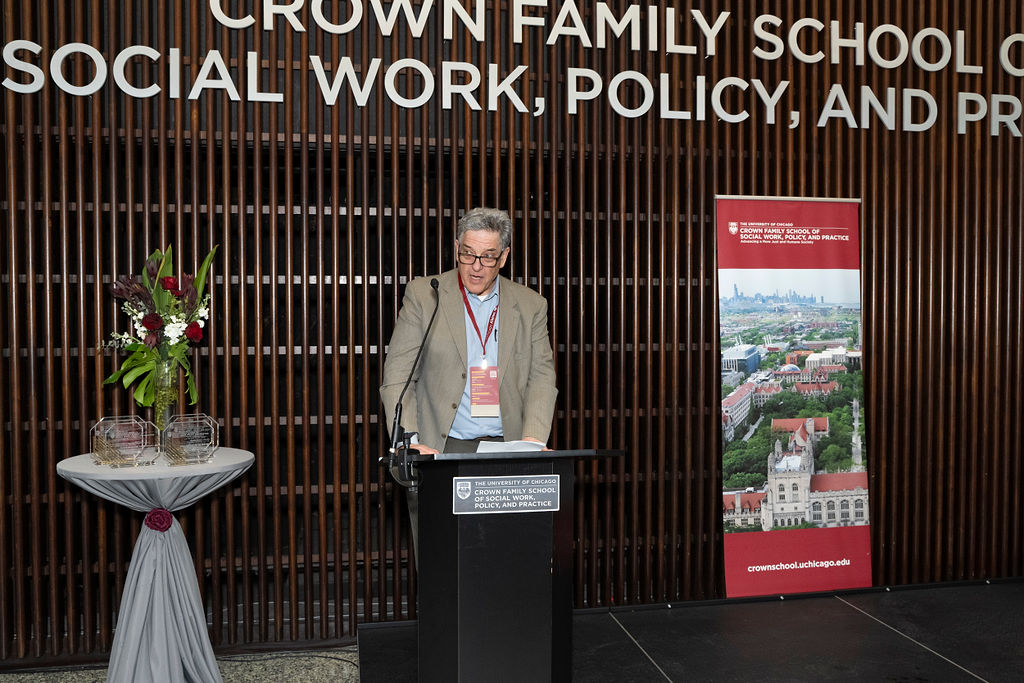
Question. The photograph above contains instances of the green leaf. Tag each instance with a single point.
(201, 275)
(166, 264)
(190, 382)
(177, 352)
(193, 394)
(161, 297)
(136, 372)
(144, 392)
(134, 360)
(140, 354)
(138, 367)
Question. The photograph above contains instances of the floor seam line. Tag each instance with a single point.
(916, 642)
(640, 647)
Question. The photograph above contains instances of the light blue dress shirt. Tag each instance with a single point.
(465, 425)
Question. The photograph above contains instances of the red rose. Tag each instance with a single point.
(159, 519)
(152, 321)
(171, 285)
(194, 332)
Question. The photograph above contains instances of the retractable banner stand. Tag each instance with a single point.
(794, 462)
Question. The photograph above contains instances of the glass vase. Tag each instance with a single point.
(165, 399)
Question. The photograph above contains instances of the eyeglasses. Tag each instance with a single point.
(487, 261)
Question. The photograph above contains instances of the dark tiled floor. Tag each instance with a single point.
(952, 633)
(978, 627)
(947, 633)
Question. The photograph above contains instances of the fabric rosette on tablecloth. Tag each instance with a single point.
(159, 519)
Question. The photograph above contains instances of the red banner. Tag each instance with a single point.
(797, 561)
(788, 233)
(795, 484)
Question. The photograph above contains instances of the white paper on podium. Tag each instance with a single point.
(508, 446)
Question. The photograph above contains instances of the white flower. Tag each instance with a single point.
(121, 340)
(174, 332)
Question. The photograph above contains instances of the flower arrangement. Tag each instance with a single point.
(167, 314)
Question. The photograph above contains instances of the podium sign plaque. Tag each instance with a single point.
(486, 495)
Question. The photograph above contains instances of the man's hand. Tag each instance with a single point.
(424, 449)
(530, 438)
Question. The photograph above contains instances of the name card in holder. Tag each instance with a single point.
(124, 441)
(189, 439)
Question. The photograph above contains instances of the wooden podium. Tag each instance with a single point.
(495, 566)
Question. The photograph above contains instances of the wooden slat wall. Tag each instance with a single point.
(323, 213)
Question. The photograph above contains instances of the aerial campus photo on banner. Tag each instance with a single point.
(795, 483)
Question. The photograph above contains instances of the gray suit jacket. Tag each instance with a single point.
(526, 373)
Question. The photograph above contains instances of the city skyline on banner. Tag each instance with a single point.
(831, 286)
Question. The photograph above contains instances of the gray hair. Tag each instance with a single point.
(484, 218)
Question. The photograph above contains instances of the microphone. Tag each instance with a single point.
(397, 433)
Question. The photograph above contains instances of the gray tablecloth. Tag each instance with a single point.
(161, 630)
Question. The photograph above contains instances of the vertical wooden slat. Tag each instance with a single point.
(360, 338)
(689, 451)
(987, 255)
(92, 244)
(248, 327)
(285, 145)
(7, 627)
(924, 426)
(31, 508)
(353, 462)
(915, 305)
(205, 235)
(703, 257)
(12, 620)
(280, 364)
(1011, 494)
(342, 442)
(305, 254)
(263, 297)
(400, 263)
(324, 453)
(629, 213)
(10, 196)
(669, 209)
(375, 235)
(187, 214)
(51, 305)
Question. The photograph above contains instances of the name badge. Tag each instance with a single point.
(483, 391)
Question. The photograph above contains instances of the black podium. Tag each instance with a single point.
(495, 566)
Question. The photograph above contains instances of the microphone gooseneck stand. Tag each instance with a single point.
(403, 455)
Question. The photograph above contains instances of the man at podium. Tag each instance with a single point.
(486, 370)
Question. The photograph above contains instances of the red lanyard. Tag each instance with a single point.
(472, 319)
